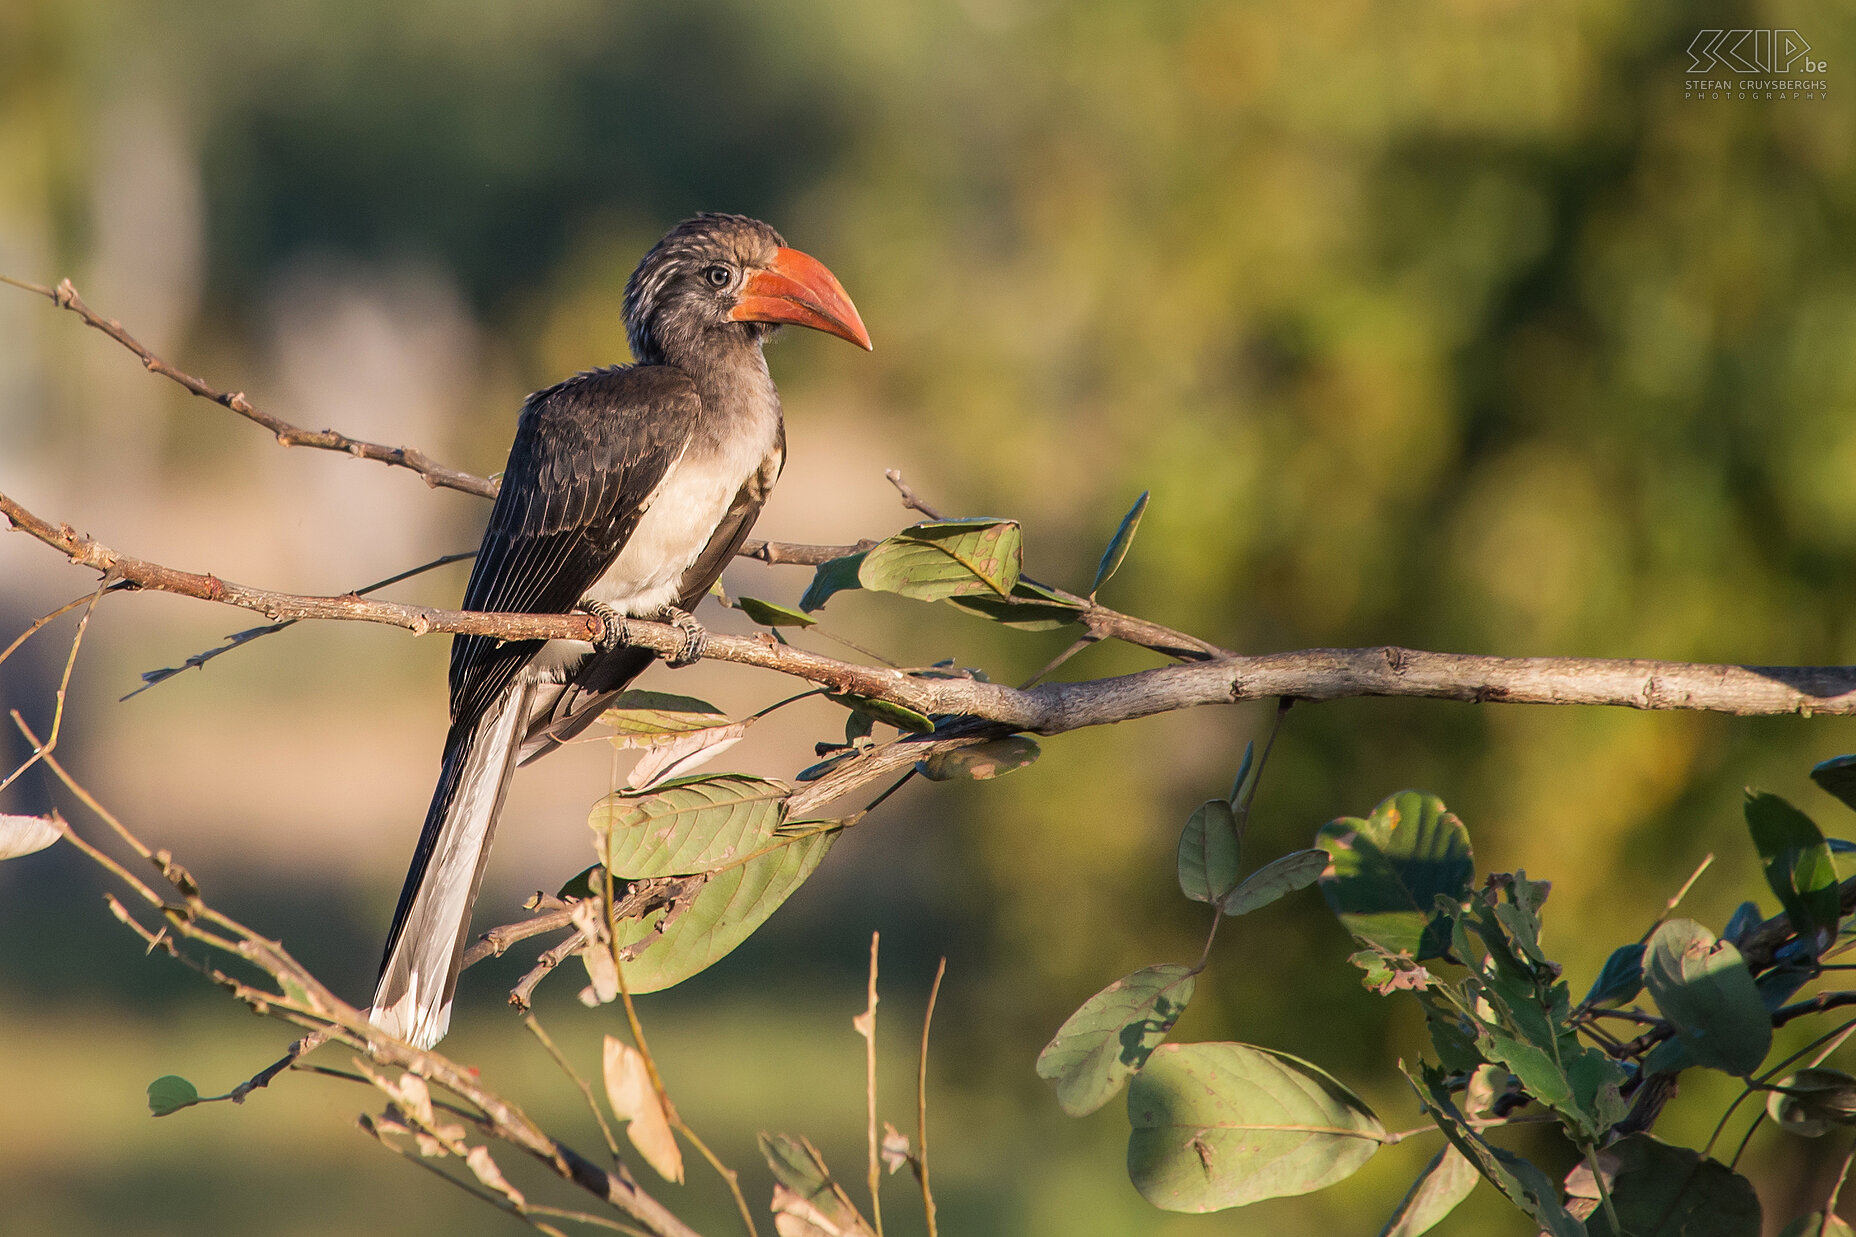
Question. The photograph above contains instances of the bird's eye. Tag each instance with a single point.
(717, 275)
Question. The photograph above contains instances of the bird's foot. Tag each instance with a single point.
(695, 638)
(614, 635)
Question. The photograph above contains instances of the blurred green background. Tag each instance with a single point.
(1450, 325)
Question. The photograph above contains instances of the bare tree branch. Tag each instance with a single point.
(1050, 708)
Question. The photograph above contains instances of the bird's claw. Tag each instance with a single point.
(695, 638)
(614, 635)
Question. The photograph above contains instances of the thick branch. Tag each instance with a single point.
(1312, 674)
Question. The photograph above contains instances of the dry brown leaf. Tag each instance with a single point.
(636, 1102)
(683, 754)
(22, 835)
(895, 1148)
(486, 1171)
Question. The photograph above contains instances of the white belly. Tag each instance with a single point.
(676, 526)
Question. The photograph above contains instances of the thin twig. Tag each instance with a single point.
(534, 1025)
(921, 1101)
(865, 1024)
(43, 751)
(909, 497)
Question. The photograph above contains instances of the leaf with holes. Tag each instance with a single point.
(982, 761)
(1295, 870)
(1797, 864)
(1112, 1035)
(688, 826)
(946, 558)
(1704, 988)
(1223, 1125)
(726, 911)
(1389, 870)
(1118, 544)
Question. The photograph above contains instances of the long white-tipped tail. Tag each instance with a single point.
(432, 923)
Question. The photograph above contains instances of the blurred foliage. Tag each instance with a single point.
(1450, 326)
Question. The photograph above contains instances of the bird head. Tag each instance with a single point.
(721, 280)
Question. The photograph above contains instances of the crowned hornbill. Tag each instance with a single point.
(627, 491)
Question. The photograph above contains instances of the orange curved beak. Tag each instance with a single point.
(797, 288)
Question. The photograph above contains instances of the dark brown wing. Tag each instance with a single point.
(607, 674)
(587, 455)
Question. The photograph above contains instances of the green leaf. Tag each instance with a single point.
(1223, 1125)
(798, 1166)
(725, 912)
(772, 614)
(982, 761)
(1030, 607)
(1817, 1224)
(1664, 1191)
(900, 716)
(640, 719)
(687, 826)
(1295, 870)
(837, 576)
(1113, 1034)
(1798, 865)
(1524, 1185)
(170, 1093)
(1389, 870)
(1620, 979)
(1118, 544)
(946, 558)
(1705, 990)
(1519, 913)
(1445, 1182)
(1838, 776)
(1812, 1102)
(1208, 854)
(1745, 918)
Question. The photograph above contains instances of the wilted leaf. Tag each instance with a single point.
(982, 761)
(1222, 1125)
(900, 716)
(1838, 776)
(170, 1093)
(772, 614)
(683, 755)
(807, 1202)
(690, 826)
(1524, 1185)
(1113, 1034)
(635, 1101)
(894, 1148)
(1295, 870)
(1389, 870)
(1445, 1182)
(1705, 990)
(1208, 852)
(1812, 1102)
(1797, 864)
(946, 558)
(1118, 544)
(725, 912)
(836, 576)
(642, 719)
(1620, 979)
(1388, 973)
(22, 835)
(478, 1160)
(1659, 1190)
